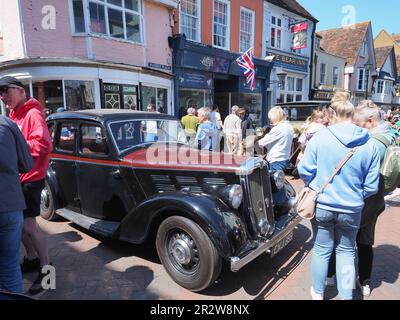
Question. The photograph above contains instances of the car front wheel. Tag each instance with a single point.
(47, 211)
(187, 253)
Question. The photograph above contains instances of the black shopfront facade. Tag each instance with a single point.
(205, 76)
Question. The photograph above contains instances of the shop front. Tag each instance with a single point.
(79, 85)
(296, 85)
(205, 76)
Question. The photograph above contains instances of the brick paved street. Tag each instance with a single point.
(89, 267)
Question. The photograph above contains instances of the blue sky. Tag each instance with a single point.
(384, 14)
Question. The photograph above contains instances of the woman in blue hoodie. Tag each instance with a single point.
(339, 206)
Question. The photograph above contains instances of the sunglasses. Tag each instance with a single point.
(4, 91)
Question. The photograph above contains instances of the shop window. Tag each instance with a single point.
(155, 96)
(50, 94)
(252, 102)
(120, 96)
(79, 95)
(190, 19)
(194, 98)
(114, 18)
(130, 97)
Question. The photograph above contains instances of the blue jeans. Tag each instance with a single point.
(334, 230)
(280, 165)
(10, 242)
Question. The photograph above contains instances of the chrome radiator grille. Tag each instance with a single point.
(260, 198)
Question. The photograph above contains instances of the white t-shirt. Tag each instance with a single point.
(216, 119)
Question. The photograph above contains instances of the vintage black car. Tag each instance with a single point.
(131, 176)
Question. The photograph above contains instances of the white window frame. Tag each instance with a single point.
(363, 49)
(86, 15)
(276, 28)
(252, 13)
(228, 26)
(364, 79)
(378, 84)
(198, 24)
(335, 74)
(322, 75)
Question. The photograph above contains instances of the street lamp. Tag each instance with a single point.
(368, 67)
(282, 77)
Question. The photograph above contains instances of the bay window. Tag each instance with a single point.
(120, 19)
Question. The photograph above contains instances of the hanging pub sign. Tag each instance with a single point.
(299, 35)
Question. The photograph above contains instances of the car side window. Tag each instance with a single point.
(66, 141)
(93, 140)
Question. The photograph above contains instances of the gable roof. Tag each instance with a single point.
(346, 41)
(381, 55)
(384, 39)
(396, 37)
(295, 7)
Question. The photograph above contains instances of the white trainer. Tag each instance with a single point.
(364, 288)
(316, 296)
(330, 281)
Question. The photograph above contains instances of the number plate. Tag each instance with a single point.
(281, 244)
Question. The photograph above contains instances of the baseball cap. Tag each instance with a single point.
(7, 81)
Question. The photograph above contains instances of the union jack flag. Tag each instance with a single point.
(246, 63)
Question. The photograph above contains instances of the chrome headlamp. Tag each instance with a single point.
(233, 195)
(279, 179)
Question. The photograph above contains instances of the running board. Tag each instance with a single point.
(101, 227)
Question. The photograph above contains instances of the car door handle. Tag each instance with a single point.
(116, 174)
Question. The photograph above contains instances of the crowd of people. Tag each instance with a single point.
(348, 208)
(205, 130)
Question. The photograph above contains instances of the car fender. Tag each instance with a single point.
(222, 224)
(52, 181)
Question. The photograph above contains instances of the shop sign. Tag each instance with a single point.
(288, 62)
(323, 95)
(205, 62)
(159, 66)
(189, 79)
(299, 36)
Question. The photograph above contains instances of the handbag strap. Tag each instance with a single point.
(337, 169)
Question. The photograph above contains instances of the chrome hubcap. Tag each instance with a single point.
(44, 198)
(183, 250)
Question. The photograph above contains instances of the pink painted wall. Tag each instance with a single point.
(158, 30)
(50, 43)
(61, 43)
(117, 51)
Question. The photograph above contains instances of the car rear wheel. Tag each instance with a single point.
(187, 253)
(47, 211)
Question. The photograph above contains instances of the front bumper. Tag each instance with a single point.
(237, 263)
